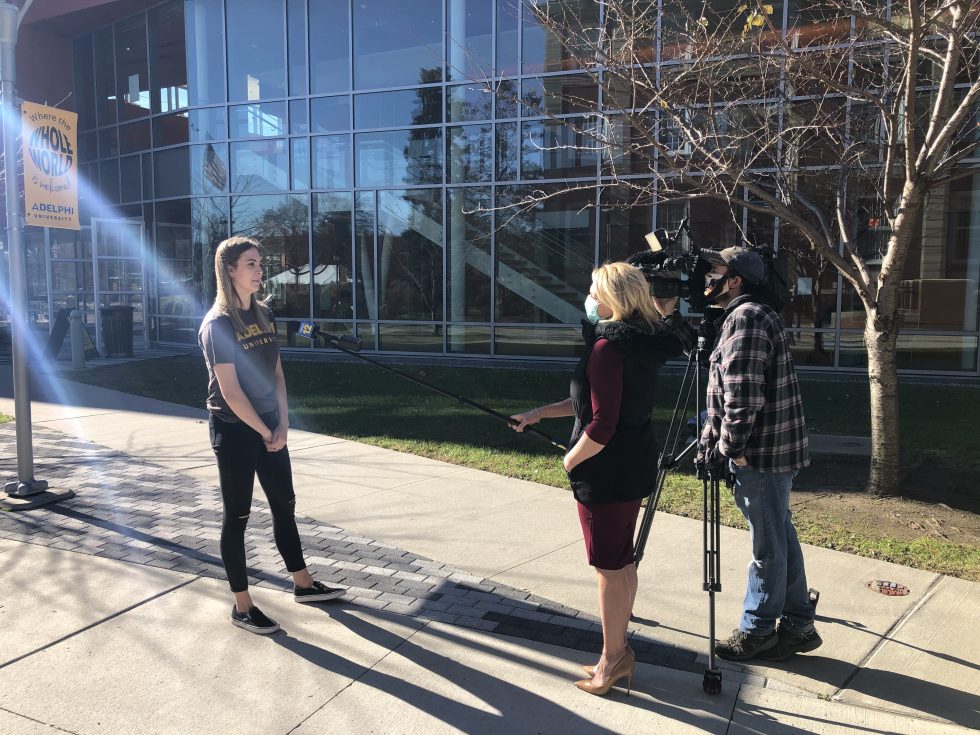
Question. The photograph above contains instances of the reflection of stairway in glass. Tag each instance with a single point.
(517, 273)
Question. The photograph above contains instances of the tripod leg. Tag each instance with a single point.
(712, 574)
(647, 520)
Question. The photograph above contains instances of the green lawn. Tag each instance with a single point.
(4, 418)
(363, 402)
(367, 404)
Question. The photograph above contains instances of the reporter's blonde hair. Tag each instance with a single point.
(226, 298)
(624, 290)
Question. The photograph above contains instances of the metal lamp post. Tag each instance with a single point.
(25, 492)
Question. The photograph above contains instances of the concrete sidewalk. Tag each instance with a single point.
(470, 604)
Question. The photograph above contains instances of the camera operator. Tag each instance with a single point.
(755, 425)
(612, 460)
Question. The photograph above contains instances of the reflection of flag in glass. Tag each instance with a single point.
(214, 168)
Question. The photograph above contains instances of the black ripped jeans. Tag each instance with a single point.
(241, 454)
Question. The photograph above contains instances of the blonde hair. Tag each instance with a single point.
(226, 298)
(624, 290)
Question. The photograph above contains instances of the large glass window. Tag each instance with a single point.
(557, 148)
(220, 108)
(364, 250)
(131, 177)
(266, 120)
(410, 337)
(105, 77)
(172, 172)
(812, 284)
(209, 168)
(468, 102)
(296, 46)
(397, 43)
(176, 271)
(469, 45)
(84, 67)
(537, 342)
(256, 50)
(133, 72)
(259, 166)
(209, 221)
(194, 126)
(329, 46)
(399, 157)
(410, 272)
(421, 106)
(109, 180)
(470, 154)
(299, 163)
(205, 43)
(626, 217)
(168, 68)
(949, 353)
(508, 22)
(333, 294)
(329, 114)
(939, 286)
(134, 137)
(558, 95)
(541, 50)
(545, 255)
(631, 145)
(281, 224)
(470, 265)
(331, 161)
(508, 151)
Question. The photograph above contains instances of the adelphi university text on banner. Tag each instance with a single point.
(50, 166)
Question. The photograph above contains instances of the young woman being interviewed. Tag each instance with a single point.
(248, 423)
(612, 460)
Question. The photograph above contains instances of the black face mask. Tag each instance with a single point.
(716, 289)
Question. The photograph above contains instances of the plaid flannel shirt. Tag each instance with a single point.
(754, 404)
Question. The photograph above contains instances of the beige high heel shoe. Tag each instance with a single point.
(589, 669)
(624, 667)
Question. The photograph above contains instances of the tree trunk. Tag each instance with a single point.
(880, 335)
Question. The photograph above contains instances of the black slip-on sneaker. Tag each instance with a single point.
(319, 592)
(254, 620)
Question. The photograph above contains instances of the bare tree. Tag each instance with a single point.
(840, 129)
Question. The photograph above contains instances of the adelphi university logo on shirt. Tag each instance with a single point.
(253, 336)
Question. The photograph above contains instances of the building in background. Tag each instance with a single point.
(359, 141)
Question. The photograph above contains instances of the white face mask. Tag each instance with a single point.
(591, 309)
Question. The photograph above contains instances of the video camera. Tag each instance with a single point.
(670, 272)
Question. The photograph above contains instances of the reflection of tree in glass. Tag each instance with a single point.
(210, 227)
(414, 251)
(331, 258)
(284, 233)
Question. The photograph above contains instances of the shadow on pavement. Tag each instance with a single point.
(517, 707)
(940, 701)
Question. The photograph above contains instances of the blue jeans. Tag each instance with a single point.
(777, 588)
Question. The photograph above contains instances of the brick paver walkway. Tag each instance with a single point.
(142, 513)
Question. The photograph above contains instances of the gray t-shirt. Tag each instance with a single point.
(254, 354)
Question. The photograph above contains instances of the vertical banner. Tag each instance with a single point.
(50, 166)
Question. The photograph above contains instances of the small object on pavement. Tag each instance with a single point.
(891, 589)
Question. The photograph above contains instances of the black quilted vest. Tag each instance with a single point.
(626, 469)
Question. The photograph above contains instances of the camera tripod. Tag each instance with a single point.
(711, 478)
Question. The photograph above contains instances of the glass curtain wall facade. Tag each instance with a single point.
(374, 147)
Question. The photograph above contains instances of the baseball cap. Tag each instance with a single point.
(746, 263)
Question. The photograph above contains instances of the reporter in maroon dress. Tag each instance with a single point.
(612, 463)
